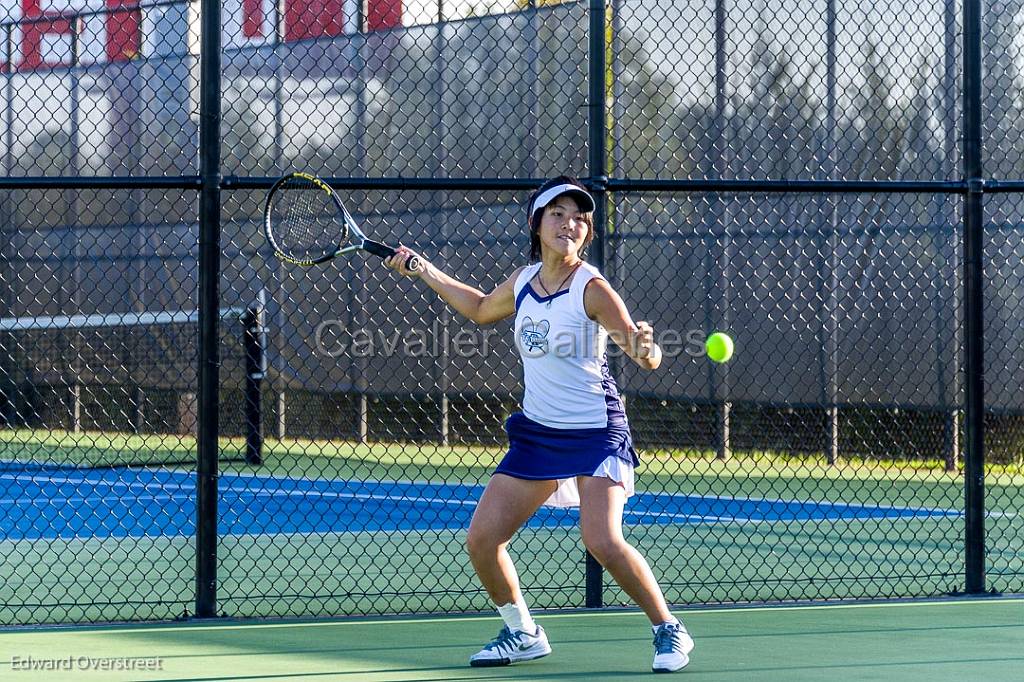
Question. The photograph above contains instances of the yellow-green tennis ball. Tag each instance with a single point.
(719, 347)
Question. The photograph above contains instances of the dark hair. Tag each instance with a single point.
(534, 219)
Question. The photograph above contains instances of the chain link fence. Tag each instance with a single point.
(790, 173)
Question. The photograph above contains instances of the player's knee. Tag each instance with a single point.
(604, 548)
(479, 543)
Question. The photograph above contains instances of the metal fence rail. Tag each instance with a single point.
(190, 427)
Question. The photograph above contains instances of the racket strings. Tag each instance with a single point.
(305, 221)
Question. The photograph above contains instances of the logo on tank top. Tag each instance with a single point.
(533, 336)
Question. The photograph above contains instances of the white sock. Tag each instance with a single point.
(672, 619)
(517, 617)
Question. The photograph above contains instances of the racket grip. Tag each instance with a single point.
(378, 249)
(385, 251)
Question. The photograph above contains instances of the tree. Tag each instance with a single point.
(871, 144)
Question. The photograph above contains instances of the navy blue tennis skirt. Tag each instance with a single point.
(541, 453)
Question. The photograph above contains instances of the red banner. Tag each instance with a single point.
(312, 19)
(117, 36)
(39, 24)
(383, 14)
(123, 34)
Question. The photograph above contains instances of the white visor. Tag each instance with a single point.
(582, 197)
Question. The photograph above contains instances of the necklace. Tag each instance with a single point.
(559, 287)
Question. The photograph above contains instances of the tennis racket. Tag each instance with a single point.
(306, 224)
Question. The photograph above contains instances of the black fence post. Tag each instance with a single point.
(974, 463)
(254, 342)
(209, 307)
(598, 131)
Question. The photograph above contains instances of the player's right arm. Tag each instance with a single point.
(468, 301)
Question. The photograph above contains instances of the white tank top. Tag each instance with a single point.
(565, 365)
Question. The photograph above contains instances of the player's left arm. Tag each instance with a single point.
(605, 307)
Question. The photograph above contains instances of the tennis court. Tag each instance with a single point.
(355, 536)
(233, 446)
(47, 504)
(927, 641)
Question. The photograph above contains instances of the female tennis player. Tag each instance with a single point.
(571, 445)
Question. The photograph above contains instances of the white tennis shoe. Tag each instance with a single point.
(512, 647)
(672, 647)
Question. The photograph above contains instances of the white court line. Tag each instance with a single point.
(109, 486)
(98, 482)
(444, 502)
(45, 501)
(741, 610)
(83, 476)
(770, 500)
(189, 485)
(426, 500)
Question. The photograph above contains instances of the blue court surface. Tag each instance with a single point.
(41, 504)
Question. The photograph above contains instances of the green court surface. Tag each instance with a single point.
(96, 579)
(918, 640)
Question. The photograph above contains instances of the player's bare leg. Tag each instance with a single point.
(601, 504)
(506, 504)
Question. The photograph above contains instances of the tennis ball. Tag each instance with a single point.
(719, 347)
